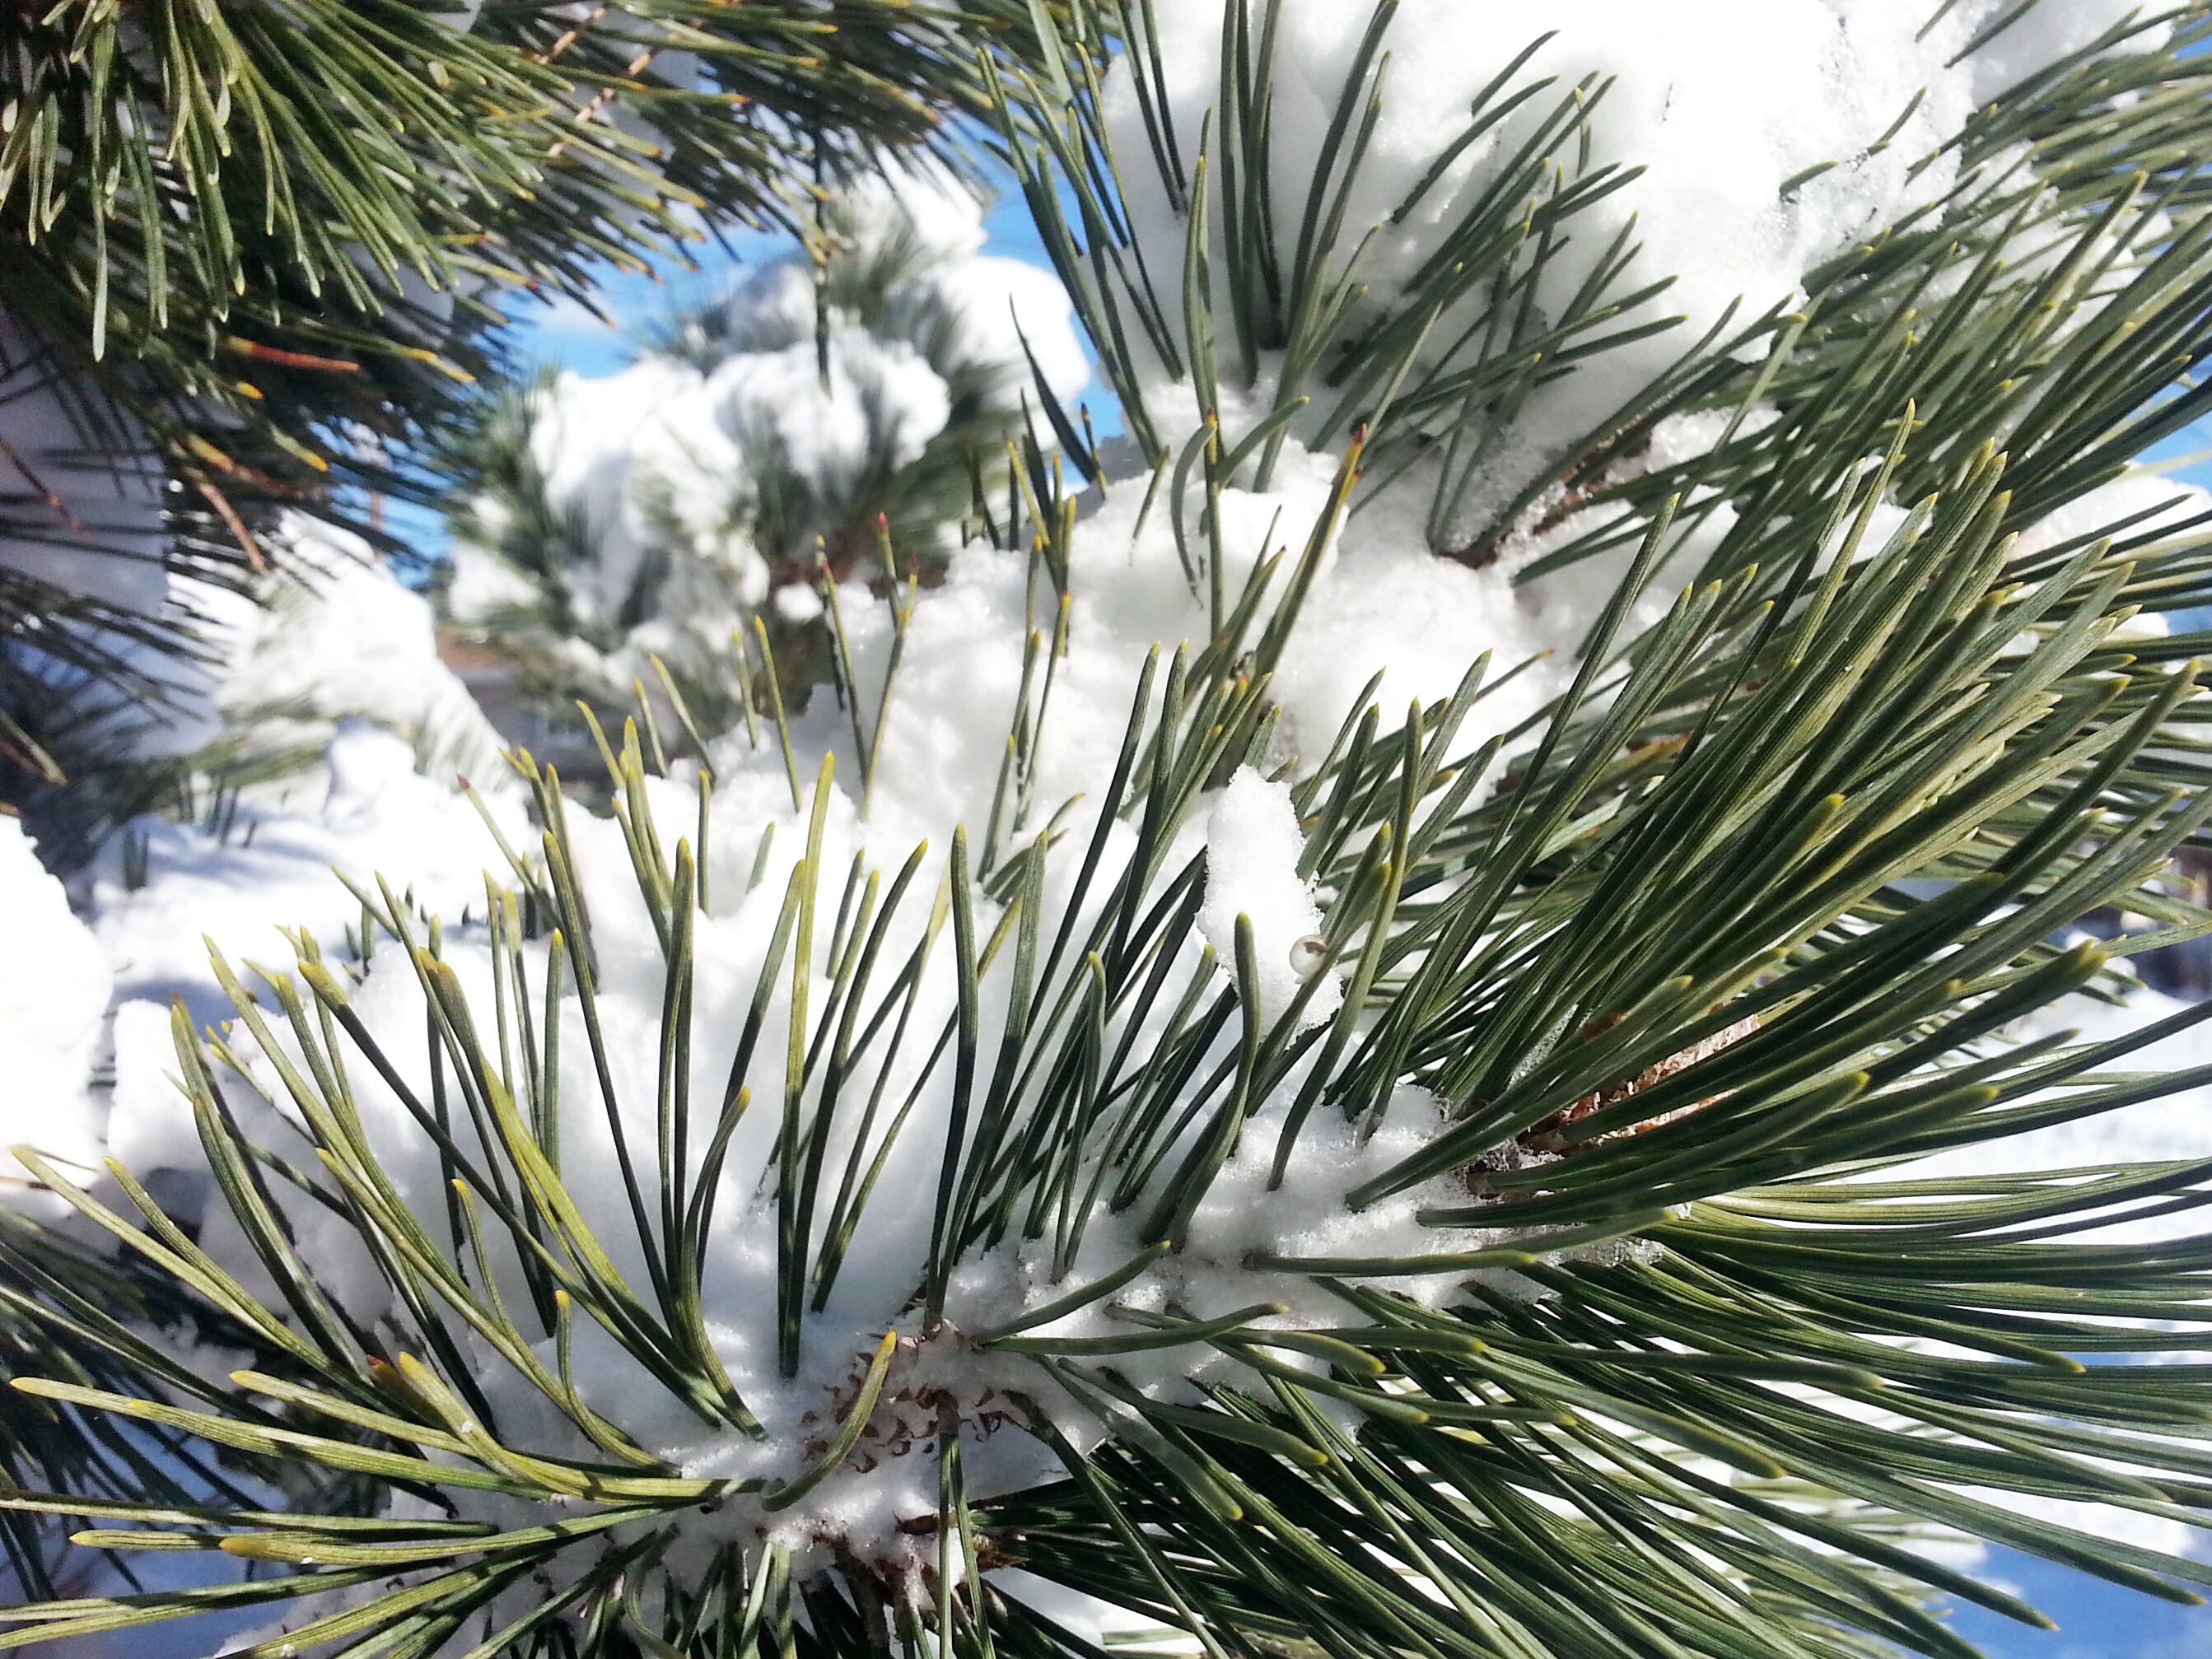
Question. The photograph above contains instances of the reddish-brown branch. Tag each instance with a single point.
(240, 534)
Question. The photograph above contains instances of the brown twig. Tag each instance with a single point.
(240, 534)
(21, 747)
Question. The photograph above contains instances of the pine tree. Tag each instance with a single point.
(858, 393)
(255, 253)
(1385, 1190)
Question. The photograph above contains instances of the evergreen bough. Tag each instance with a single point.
(1697, 963)
(599, 611)
(257, 253)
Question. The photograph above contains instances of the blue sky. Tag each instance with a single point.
(566, 336)
(2096, 1620)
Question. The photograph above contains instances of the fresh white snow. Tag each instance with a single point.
(54, 989)
(668, 470)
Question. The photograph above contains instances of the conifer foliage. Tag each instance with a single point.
(253, 250)
(1184, 1154)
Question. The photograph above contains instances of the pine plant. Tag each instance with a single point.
(865, 390)
(255, 254)
(1447, 1184)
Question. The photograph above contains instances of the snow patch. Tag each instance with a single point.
(1253, 845)
(54, 986)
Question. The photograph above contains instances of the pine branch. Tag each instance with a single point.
(261, 248)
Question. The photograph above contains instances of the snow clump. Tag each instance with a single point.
(1253, 845)
(650, 511)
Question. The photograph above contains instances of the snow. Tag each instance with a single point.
(335, 636)
(2177, 1126)
(2140, 505)
(1724, 106)
(150, 1127)
(364, 811)
(1253, 844)
(327, 634)
(53, 990)
(882, 400)
(339, 662)
(954, 702)
(960, 672)
(855, 1511)
(2044, 35)
(692, 482)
